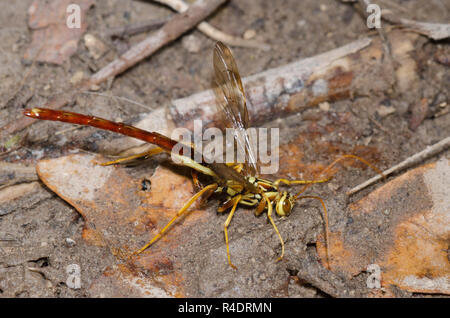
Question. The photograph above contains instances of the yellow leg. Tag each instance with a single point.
(325, 217)
(291, 182)
(225, 228)
(179, 213)
(337, 161)
(353, 157)
(148, 153)
(269, 216)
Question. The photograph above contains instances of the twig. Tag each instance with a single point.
(435, 31)
(277, 91)
(418, 157)
(212, 32)
(442, 113)
(121, 98)
(132, 29)
(13, 173)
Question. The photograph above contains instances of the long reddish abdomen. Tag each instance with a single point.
(80, 119)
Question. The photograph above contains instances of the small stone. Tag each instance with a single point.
(249, 34)
(301, 23)
(323, 7)
(94, 88)
(325, 106)
(77, 77)
(191, 43)
(70, 242)
(95, 47)
(333, 187)
(384, 111)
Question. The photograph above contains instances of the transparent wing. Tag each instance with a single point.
(231, 100)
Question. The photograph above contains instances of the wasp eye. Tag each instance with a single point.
(287, 206)
(284, 205)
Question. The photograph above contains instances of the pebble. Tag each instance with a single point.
(191, 43)
(333, 187)
(70, 242)
(301, 23)
(94, 88)
(325, 106)
(384, 111)
(249, 34)
(77, 77)
(95, 46)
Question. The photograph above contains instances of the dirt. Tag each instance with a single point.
(42, 235)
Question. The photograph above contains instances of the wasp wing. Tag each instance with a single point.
(232, 102)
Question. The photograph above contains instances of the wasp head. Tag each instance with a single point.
(284, 204)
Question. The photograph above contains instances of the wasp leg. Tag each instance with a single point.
(179, 213)
(145, 154)
(260, 208)
(291, 182)
(225, 228)
(269, 216)
(325, 218)
(337, 161)
(353, 157)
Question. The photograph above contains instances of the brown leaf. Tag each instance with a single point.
(404, 227)
(123, 217)
(52, 40)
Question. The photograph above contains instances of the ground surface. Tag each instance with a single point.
(36, 230)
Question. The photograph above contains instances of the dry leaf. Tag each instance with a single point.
(406, 231)
(123, 217)
(52, 40)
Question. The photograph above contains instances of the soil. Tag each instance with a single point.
(45, 233)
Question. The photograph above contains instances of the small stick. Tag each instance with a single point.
(13, 173)
(435, 31)
(121, 98)
(418, 157)
(135, 28)
(212, 32)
